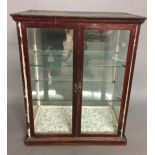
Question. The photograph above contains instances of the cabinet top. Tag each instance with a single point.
(79, 15)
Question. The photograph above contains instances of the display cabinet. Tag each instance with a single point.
(77, 71)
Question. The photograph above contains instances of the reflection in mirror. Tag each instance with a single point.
(51, 65)
(104, 64)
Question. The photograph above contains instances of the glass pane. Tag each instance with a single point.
(104, 65)
(51, 67)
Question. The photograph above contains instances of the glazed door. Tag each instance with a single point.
(104, 63)
(51, 72)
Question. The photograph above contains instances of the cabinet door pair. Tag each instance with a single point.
(77, 78)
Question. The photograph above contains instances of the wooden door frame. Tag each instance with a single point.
(128, 74)
(29, 106)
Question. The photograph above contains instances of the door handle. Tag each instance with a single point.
(77, 87)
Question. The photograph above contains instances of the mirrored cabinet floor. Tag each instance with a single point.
(77, 70)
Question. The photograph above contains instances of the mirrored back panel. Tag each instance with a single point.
(51, 67)
(105, 53)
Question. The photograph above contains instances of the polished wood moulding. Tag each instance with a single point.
(76, 141)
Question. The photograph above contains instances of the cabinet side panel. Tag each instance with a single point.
(24, 78)
(128, 78)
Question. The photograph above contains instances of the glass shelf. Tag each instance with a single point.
(100, 55)
(113, 100)
(51, 100)
(85, 80)
(105, 65)
(55, 80)
(85, 65)
(48, 52)
(50, 66)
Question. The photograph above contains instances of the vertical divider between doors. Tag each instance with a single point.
(81, 61)
(77, 79)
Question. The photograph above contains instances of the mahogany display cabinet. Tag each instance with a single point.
(77, 70)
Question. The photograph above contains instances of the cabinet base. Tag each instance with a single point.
(76, 141)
